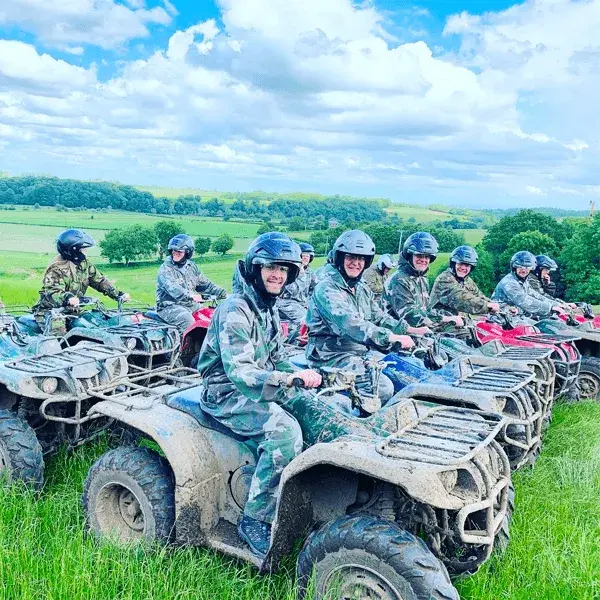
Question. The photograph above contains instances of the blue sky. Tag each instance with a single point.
(488, 103)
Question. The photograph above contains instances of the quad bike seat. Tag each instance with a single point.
(152, 314)
(30, 322)
(188, 401)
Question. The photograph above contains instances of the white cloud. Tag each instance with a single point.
(103, 23)
(311, 92)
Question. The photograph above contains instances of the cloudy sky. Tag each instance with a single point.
(474, 102)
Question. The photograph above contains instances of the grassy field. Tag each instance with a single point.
(473, 236)
(553, 554)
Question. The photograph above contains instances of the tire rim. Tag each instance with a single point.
(119, 513)
(589, 385)
(357, 582)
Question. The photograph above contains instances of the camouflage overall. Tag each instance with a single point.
(63, 280)
(453, 295)
(512, 291)
(374, 280)
(541, 286)
(174, 290)
(244, 384)
(406, 296)
(293, 302)
(346, 329)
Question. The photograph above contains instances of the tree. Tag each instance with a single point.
(580, 262)
(132, 243)
(266, 227)
(533, 241)
(447, 239)
(223, 244)
(202, 245)
(296, 224)
(164, 231)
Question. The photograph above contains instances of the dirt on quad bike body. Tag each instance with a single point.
(148, 344)
(412, 469)
(44, 396)
(478, 382)
(505, 337)
(585, 326)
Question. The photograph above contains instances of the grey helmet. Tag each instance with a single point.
(269, 248)
(181, 243)
(353, 242)
(523, 259)
(329, 260)
(420, 242)
(306, 248)
(70, 243)
(385, 261)
(545, 262)
(464, 254)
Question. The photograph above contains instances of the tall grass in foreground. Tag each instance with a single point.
(554, 551)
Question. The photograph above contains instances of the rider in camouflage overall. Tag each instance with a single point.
(67, 279)
(539, 279)
(346, 327)
(515, 289)
(246, 381)
(376, 275)
(293, 302)
(180, 284)
(454, 291)
(406, 292)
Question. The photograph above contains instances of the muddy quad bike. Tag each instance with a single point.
(478, 382)
(554, 358)
(148, 345)
(367, 488)
(585, 326)
(44, 397)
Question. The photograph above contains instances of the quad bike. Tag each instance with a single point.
(148, 345)
(367, 488)
(45, 399)
(554, 358)
(479, 382)
(584, 326)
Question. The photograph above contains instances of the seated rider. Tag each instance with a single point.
(293, 302)
(539, 279)
(67, 278)
(454, 291)
(376, 275)
(180, 284)
(515, 289)
(346, 327)
(406, 292)
(246, 381)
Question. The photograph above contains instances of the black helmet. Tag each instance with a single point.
(385, 261)
(70, 243)
(353, 242)
(182, 243)
(420, 242)
(306, 248)
(464, 254)
(269, 248)
(523, 259)
(545, 262)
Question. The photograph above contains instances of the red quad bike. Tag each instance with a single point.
(586, 326)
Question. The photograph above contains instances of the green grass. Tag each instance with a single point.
(553, 555)
(473, 236)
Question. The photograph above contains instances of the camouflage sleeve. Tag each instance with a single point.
(531, 303)
(341, 316)
(313, 283)
(54, 288)
(290, 291)
(373, 282)
(205, 286)
(97, 281)
(466, 298)
(238, 354)
(537, 286)
(170, 285)
(383, 319)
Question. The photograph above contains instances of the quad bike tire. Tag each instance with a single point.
(503, 536)
(21, 456)
(589, 378)
(363, 556)
(129, 495)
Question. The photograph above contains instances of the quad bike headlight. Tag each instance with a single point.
(460, 483)
(130, 343)
(49, 385)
